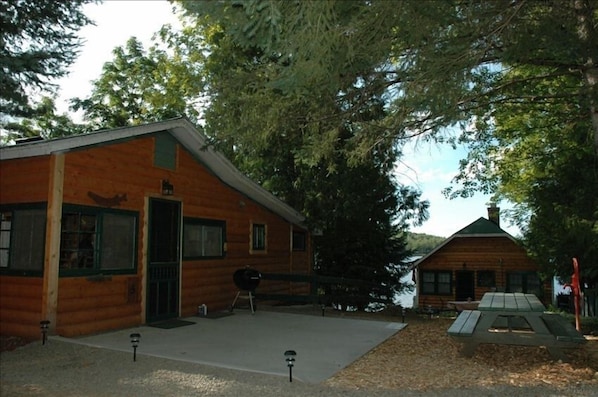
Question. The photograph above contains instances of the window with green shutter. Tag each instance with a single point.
(22, 240)
(165, 151)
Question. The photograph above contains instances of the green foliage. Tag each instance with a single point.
(39, 41)
(271, 135)
(539, 158)
(46, 124)
(518, 79)
(140, 86)
(422, 244)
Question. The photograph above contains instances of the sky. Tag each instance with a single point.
(428, 167)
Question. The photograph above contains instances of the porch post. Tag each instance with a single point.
(52, 249)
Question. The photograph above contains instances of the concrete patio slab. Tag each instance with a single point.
(257, 342)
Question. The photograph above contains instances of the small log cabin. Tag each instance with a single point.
(131, 226)
(477, 259)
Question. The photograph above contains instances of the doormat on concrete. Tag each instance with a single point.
(169, 324)
(215, 315)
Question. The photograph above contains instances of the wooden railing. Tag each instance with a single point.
(338, 288)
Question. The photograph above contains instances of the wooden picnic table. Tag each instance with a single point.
(514, 319)
(511, 302)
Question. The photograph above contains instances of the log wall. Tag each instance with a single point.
(94, 304)
(21, 306)
(210, 281)
(24, 180)
(498, 254)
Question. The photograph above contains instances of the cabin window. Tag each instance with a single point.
(299, 241)
(95, 240)
(526, 282)
(486, 278)
(436, 283)
(203, 238)
(258, 237)
(22, 240)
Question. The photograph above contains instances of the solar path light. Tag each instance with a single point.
(44, 327)
(135, 342)
(290, 359)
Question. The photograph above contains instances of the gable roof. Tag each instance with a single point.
(186, 134)
(481, 227)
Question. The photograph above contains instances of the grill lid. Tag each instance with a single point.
(247, 279)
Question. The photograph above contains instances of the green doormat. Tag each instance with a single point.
(169, 324)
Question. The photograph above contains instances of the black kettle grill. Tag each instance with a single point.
(246, 280)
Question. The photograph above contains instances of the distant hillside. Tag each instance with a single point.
(422, 243)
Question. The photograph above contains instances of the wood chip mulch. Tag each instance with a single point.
(423, 357)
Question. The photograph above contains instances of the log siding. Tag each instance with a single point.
(499, 255)
(122, 175)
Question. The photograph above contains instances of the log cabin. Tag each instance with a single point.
(477, 259)
(130, 226)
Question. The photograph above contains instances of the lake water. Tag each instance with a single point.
(406, 299)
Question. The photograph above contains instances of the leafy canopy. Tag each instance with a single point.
(516, 80)
(141, 85)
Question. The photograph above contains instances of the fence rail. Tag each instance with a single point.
(317, 284)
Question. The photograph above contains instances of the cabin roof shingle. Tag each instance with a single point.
(481, 227)
(186, 134)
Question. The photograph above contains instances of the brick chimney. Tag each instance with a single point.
(494, 214)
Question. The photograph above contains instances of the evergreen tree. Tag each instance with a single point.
(358, 207)
(37, 44)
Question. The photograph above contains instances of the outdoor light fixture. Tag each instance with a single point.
(167, 188)
(403, 312)
(44, 327)
(290, 359)
(135, 342)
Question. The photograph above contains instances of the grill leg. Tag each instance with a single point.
(232, 307)
(251, 302)
(249, 296)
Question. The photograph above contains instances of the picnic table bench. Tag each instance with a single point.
(514, 319)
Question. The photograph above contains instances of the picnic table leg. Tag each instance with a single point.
(468, 348)
(557, 353)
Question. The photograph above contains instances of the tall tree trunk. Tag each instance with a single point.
(586, 10)
(592, 81)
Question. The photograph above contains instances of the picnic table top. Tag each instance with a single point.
(511, 302)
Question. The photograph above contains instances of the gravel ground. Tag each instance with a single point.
(418, 361)
(64, 369)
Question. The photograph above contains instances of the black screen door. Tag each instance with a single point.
(464, 287)
(163, 260)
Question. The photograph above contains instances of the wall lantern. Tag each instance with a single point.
(167, 188)
(290, 359)
(44, 327)
(135, 342)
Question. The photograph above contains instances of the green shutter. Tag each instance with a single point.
(165, 151)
